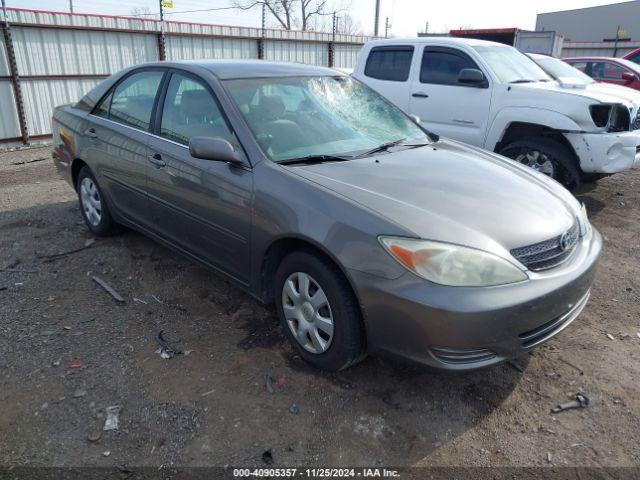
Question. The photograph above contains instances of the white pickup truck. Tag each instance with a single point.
(492, 96)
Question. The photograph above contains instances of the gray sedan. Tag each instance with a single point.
(307, 188)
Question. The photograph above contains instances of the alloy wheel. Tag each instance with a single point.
(537, 160)
(91, 203)
(307, 312)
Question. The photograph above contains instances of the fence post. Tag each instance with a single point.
(331, 44)
(15, 80)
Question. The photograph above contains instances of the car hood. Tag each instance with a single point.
(453, 193)
(599, 92)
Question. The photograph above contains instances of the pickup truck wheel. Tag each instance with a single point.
(318, 311)
(93, 206)
(546, 156)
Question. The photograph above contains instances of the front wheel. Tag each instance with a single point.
(547, 156)
(318, 311)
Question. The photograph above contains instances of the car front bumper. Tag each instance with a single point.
(461, 328)
(606, 152)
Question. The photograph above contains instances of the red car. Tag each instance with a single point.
(634, 56)
(619, 71)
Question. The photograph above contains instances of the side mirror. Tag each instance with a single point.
(415, 118)
(214, 148)
(471, 76)
(628, 77)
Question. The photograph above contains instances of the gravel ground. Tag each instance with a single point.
(69, 351)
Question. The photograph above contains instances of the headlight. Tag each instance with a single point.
(452, 265)
(615, 117)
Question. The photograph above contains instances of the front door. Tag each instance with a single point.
(201, 206)
(444, 105)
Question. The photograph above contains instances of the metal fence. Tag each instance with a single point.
(53, 58)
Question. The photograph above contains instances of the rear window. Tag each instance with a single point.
(389, 63)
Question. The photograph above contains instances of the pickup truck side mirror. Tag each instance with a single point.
(214, 148)
(471, 76)
(628, 77)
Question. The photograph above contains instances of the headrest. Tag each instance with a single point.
(196, 102)
(272, 106)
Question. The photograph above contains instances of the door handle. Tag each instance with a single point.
(156, 159)
(91, 133)
(420, 95)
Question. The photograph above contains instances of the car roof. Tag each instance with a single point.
(227, 69)
(472, 42)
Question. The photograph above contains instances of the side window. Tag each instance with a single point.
(389, 63)
(133, 99)
(443, 68)
(582, 66)
(191, 111)
(635, 58)
(608, 71)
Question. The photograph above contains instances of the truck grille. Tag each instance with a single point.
(550, 253)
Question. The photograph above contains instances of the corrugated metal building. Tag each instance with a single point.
(60, 56)
(594, 24)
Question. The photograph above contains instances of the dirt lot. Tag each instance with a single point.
(211, 407)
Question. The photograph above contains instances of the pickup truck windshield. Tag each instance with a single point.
(307, 117)
(511, 66)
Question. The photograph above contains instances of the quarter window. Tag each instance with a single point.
(389, 63)
(443, 68)
(133, 99)
(191, 111)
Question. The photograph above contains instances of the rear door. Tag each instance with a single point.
(201, 206)
(387, 70)
(118, 141)
(444, 105)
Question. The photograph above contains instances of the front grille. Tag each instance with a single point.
(460, 356)
(547, 330)
(636, 122)
(550, 253)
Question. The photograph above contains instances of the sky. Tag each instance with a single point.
(406, 17)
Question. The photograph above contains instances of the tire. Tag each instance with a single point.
(345, 346)
(93, 205)
(547, 156)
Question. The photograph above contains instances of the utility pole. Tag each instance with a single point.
(5, 18)
(377, 20)
(70, 6)
(334, 27)
(386, 27)
(615, 45)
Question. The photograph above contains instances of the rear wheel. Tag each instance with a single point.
(547, 156)
(93, 206)
(319, 312)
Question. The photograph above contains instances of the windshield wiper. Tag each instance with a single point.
(314, 159)
(381, 148)
(387, 145)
